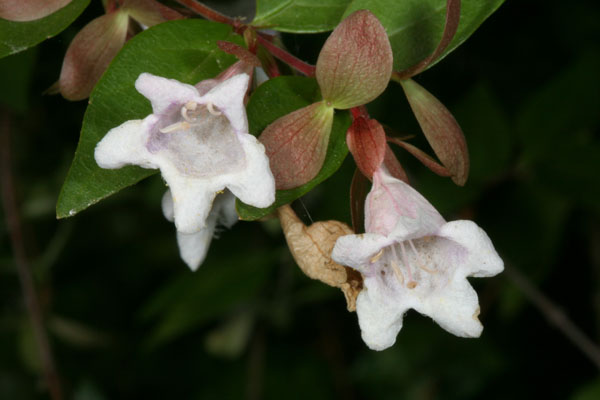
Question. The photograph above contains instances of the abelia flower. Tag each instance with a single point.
(200, 143)
(193, 247)
(410, 257)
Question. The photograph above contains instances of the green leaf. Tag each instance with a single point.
(19, 36)
(276, 98)
(299, 16)
(185, 50)
(415, 26)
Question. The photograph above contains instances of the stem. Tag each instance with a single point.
(16, 235)
(555, 315)
(292, 61)
(207, 12)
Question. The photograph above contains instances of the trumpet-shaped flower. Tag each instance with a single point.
(410, 257)
(200, 143)
(193, 247)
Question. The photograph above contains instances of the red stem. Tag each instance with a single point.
(15, 229)
(292, 61)
(207, 12)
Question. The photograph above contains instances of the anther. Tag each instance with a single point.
(397, 271)
(376, 256)
(189, 106)
(211, 109)
(411, 285)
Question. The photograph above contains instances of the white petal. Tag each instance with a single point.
(380, 317)
(163, 92)
(192, 203)
(228, 97)
(224, 206)
(255, 184)
(194, 247)
(124, 145)
(481, 258)
(167, 206)
(455, 308)
(356, 250)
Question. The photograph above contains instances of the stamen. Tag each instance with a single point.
(411, 285)
(420, 263)
(376, 256)
(189, 106)
(396, 269)
(212, 110)
(183, 125)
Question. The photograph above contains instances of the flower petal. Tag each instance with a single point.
(192, 202)
(228, 97)
(356, 250)
(125, 145)
(481, 259)
(396, 209)
(455, 308)
(224, 206)
(164, 92)
(193, 247)
(255, 184)
(380, 318)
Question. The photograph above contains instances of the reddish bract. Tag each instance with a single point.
(366, 141)
(296, 144)
(441, 130)
(355, 64)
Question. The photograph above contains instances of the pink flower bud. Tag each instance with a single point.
(366, 142)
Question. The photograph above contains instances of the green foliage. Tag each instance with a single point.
(219, 287)
(185, 50)
(15, 79)
(299, 16)
(276, 98)
(19, 36)
(415, 26)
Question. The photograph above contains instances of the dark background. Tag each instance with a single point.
(127, 319)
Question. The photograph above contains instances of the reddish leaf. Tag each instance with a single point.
(366, 141)
(29, 10)
(89, 54)
(441, 130)
(450, 28)
(297, 144)
(355, 64)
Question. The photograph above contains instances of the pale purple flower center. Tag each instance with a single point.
(198, 140)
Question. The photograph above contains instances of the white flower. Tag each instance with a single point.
(411, 258)
(194, 246)
(200, 143)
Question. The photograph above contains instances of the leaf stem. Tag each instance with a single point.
(292, 61)
(14, 225)
(207, 12)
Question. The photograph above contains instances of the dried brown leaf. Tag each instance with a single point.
(311, 247)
